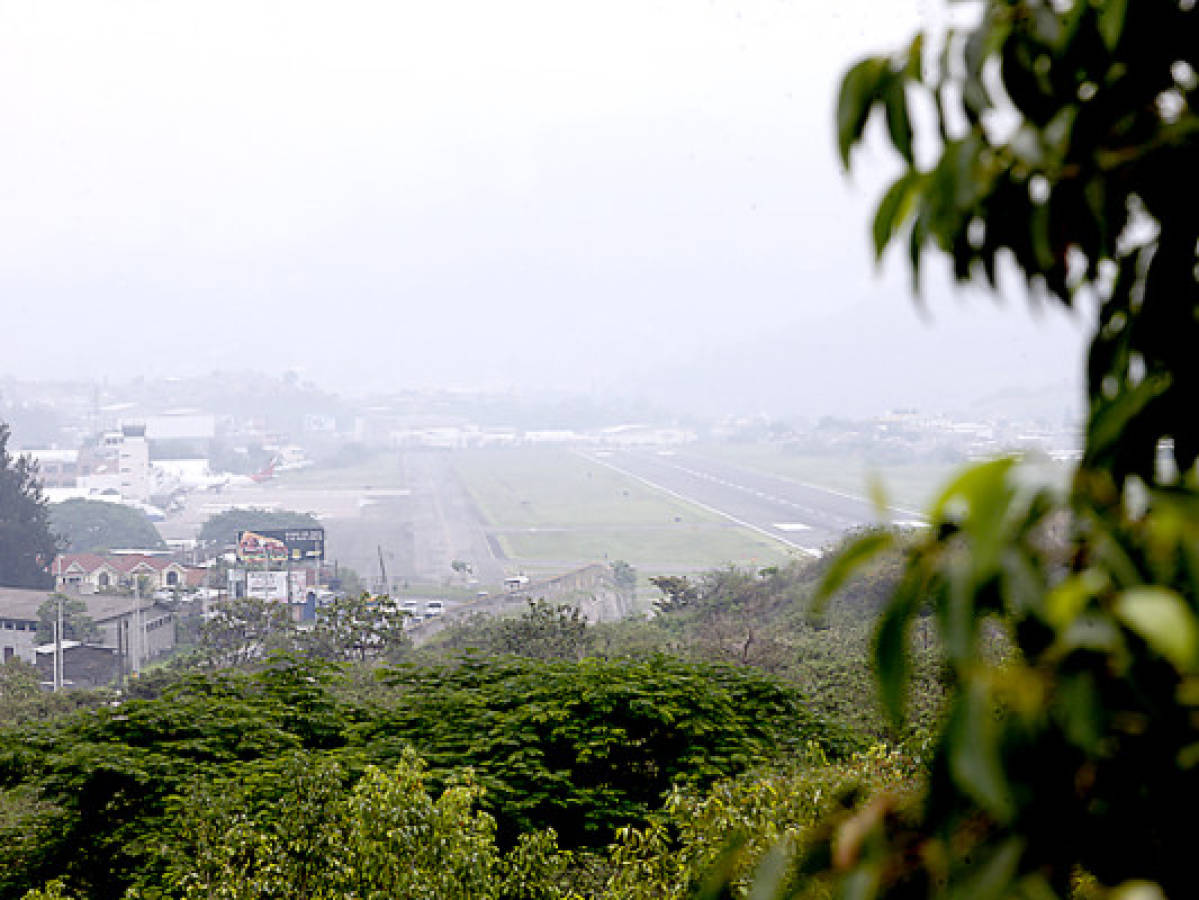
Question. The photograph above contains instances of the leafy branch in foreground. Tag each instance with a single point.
(1064, 132)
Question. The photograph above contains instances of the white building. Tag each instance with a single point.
(119, 462)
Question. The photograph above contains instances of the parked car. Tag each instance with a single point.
(434, 608)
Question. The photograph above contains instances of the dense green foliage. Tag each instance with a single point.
(246, 630)
(757, 832)
(543, 631)
(241, 631)
(358, 628)
(759, 619)
(764, 619)
(108, 797)
(93, 526)
(27, 546)
(588, 746)
(297, 828)
(1065, 132)
(22, 698)
(221, 529)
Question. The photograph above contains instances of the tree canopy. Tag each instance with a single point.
(229, 777)
(27, 545)
(222, 528)
(77, 625)
(93, 526)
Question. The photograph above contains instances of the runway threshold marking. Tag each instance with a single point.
(712, 509)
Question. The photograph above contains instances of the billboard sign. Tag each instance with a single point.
(282, 545)
(267, 585)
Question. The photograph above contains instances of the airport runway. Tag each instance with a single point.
(421, 521)
(802, 516)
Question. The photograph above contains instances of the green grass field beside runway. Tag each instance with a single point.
(553, 507)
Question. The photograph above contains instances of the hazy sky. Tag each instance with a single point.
(635, 196)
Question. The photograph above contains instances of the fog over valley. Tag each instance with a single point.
(635, 201)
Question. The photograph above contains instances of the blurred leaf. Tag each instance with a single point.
(1038, 229)
(892, 210)
(891, 657)
(992, 878)
(848, 561)
(1163, 620)
(899, 125)
(878, 493)
(978, 485)
(860, 884)
(974, 757)
(1070, 596)
(1080, 710)
(1111, 21)
(859, 90)
(1138, 890)
(771, 873)
(1110, 420)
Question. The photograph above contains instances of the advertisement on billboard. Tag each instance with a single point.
(267, 585)
(282, 545)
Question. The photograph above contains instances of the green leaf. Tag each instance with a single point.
(899, 125)
(772, 872)
(915, 246)
(913, 69)
(891, 657)
(993, 876)
(861, 884)
(982, 486)
(1038, 229)
(848, 561)
(1163, 620)
(1111, 22)
(859, 90)
(1080, 710)
(1110, 420)
(892, 210)
(974, 757)
(1069, 597)
(877, 492)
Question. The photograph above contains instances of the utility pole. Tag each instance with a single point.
(131, 628)
(58, 630)
(58, 647)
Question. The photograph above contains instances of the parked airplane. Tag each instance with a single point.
(200, 479)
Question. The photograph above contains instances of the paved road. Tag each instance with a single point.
(800, 515)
